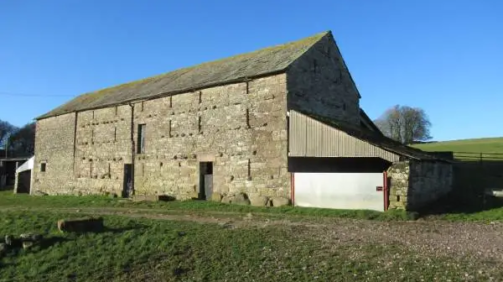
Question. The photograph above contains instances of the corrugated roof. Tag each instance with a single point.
(258, 63)
(378, 140)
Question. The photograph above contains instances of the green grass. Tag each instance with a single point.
(486, 146)
(491, 212)
(8, 199)
(154, 250)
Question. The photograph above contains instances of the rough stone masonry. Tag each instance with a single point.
(241, 127)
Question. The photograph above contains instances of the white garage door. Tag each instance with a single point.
(339, 190)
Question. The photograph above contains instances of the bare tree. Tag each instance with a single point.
(405, 124)
(6, 129)
(22, 141)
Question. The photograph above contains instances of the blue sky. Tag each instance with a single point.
(443, 56)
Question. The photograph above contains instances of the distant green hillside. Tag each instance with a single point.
(469, 148)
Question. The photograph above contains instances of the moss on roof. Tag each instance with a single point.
(258, 63)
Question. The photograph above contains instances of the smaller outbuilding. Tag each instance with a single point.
(340, 166)
(8, 167)
(24, 177)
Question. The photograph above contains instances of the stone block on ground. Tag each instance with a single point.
(28, 244)
(237, 199)
(226, 199)
(81, 225)
(38, 193)
(280, 201)
(30, 237)
(240, 199)
(152, 198)
(258, 200)
(216, 197)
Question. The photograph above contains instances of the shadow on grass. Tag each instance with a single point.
(105, 229)
(471, 179)
(121, 229)
(51, 241)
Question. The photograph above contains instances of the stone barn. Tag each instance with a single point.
(278, 125)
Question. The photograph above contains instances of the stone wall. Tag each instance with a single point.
(103, 147)
(320, 83)
(428, 182)
(415, 184)
(54, 145)
(398, 185)
(240, 127)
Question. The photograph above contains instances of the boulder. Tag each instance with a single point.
(152, 198)
(9, 239)
(39, 193)
(280, 201)
(194, 195)
(226, 199)
(216, 197)
(237, 199)
(12, 242)
(28, 244)
(81, 225)
(258, 200)
(240, 199)
(30, 237)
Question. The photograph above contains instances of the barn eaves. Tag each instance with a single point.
(239, 68)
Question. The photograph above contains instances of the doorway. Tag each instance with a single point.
(23, 182)
(205, 180)
(127, 189)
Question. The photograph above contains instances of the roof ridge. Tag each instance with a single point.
(260, 62)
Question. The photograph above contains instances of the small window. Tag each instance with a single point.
(343, 106)
(315, 66)
(141, 139)
(42, 167)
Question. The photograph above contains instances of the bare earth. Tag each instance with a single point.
(477, 241)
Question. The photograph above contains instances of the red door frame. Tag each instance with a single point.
(292, 188)
(386, 190)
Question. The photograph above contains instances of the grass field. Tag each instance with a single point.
(9, 200)
(204, 241)
(491, 148)
(165, 250)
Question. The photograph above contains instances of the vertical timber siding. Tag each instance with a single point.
(311, 138)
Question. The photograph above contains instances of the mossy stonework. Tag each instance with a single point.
(226, 121)
(316, 76)
(240, 127)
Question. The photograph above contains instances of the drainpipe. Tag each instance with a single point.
(133, 151)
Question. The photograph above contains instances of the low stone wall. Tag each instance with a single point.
(398, 181)
(429, 181)
(415, 184)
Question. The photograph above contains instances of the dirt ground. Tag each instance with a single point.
(478, 241)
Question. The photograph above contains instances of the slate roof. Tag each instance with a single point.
(262, 62)
(365, 117)
(378, 140)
